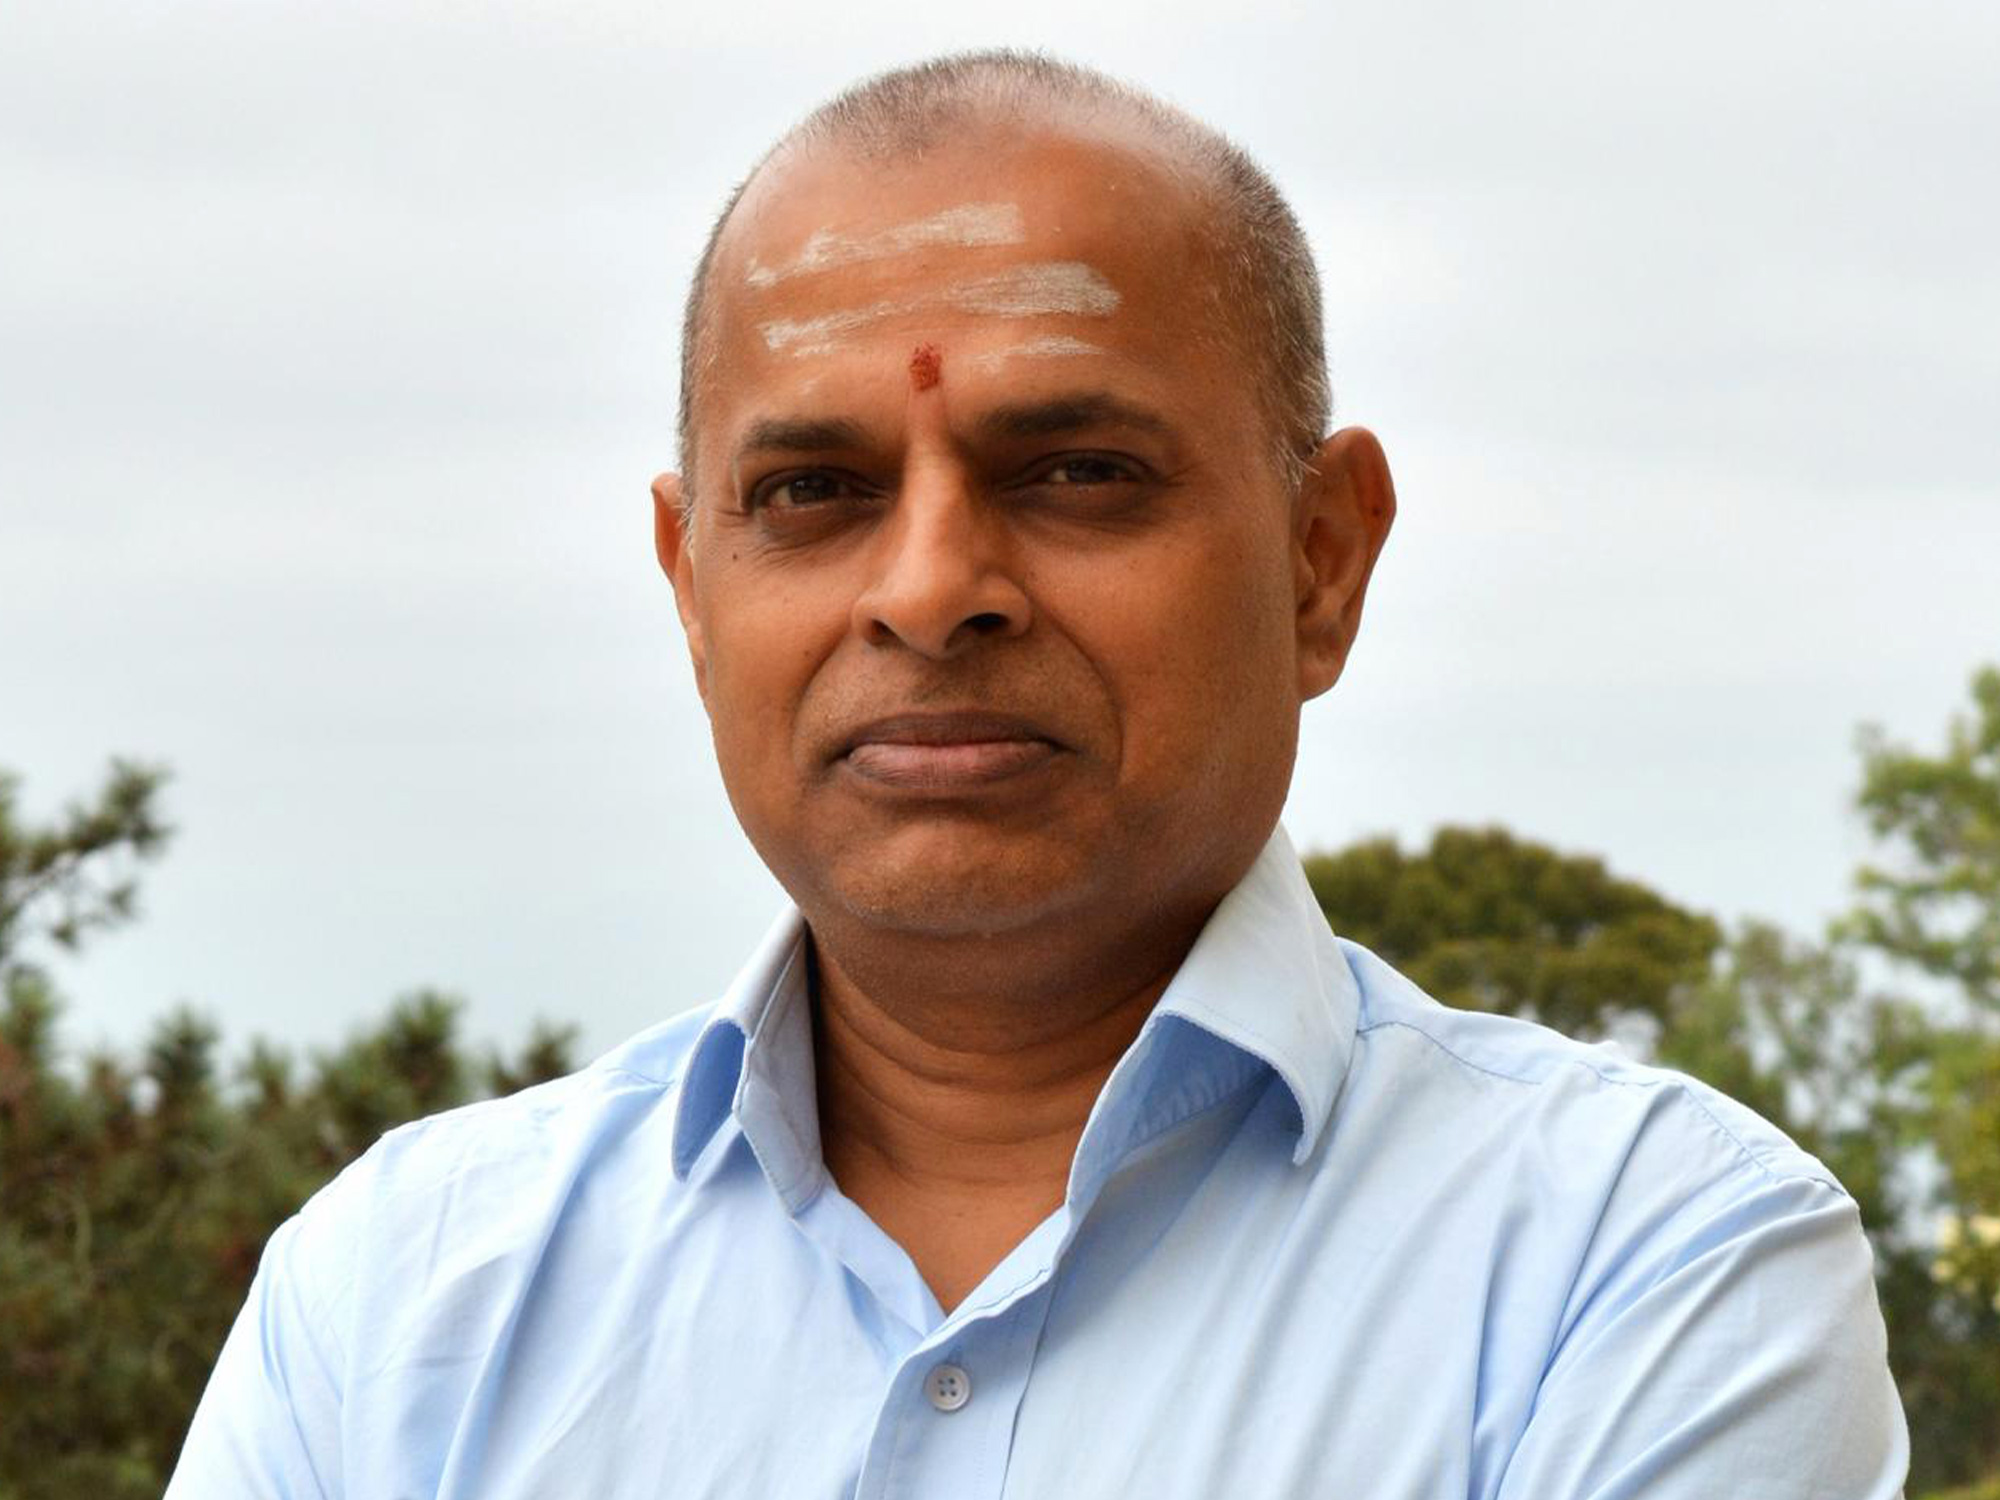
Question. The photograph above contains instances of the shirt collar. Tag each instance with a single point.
(753, 1059)
(1265, 977)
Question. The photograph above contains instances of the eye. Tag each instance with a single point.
(1075, 470)
(796, 489)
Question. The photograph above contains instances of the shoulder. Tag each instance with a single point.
(490, 1166)
(534, 1121)
(1668, 1260)
(542, 1124)
(1593, 1100)
(1689, 1293)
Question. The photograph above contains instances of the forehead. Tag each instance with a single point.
(997, 245)
(1088, 177)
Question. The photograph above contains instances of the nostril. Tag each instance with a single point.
(989, 622)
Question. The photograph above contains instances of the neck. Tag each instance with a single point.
(950, 1109)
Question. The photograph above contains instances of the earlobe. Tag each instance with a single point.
(1345, 508)
(673, 546)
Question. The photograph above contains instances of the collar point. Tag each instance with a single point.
(1302, 1151)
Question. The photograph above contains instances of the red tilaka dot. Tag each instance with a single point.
(926, 367)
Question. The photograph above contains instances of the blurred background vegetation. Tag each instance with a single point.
(136, 1194)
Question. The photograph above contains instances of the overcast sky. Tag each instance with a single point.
(337, 347)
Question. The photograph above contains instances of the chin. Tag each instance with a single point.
(942, 881)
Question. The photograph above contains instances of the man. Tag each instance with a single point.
(1052, 1146)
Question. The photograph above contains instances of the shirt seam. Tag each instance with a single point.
(647, 1078)
(1679, 1085)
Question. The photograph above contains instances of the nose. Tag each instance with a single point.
(943, 577)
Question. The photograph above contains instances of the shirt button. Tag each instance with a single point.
(948, 1387)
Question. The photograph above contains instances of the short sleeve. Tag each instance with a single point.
(269, 1422)
(1735, 1349)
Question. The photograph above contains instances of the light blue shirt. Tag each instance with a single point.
(1322, 1237)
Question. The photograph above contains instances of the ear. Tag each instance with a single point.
(674, 547)
(1341, 519)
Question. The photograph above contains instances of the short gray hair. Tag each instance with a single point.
(1268, 285)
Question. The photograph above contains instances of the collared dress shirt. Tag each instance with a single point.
(1322, 1237)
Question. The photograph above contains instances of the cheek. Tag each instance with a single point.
(765, 640)
(1195, 646)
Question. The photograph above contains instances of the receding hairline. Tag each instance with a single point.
(1264, 284)
(1063, 122)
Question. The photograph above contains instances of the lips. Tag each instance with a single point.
(943, 752)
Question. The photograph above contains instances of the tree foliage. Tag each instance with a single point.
(76, 875)
(1936, 904)
(136, 1197)
(1930, 908)
(1488, 921)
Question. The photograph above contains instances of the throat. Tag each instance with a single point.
(958, 1142)
(954, 1231)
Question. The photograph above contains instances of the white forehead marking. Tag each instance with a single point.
(1053, 345)
(1057, 286)
(1041, 290)
(817, 335)
(968, 224)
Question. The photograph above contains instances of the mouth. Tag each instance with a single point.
(944, 752)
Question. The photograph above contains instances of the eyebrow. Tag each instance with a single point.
(1068, 414)
(800, 435)
(1027, 419)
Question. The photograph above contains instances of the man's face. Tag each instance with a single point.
(994, 592)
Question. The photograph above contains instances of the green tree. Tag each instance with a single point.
(1936, 904)
(135, 1197)
(75, 875)
(1486, 920)
(1929, 907)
